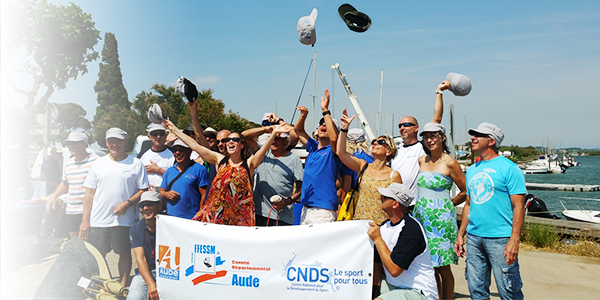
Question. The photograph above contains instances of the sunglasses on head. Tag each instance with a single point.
(157, 133)
(227, 139)
(380, 142)
(406, 124)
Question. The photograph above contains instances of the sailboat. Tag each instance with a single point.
(581, 214)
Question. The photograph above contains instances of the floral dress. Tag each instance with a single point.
(229, 201)
(435, 211)
(368, 205)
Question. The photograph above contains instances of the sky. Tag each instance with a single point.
(533, 64)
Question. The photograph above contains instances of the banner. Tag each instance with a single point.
(209, 261)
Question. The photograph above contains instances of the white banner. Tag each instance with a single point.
(324, 261)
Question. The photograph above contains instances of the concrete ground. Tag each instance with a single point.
(545, 275)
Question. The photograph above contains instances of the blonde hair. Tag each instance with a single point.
(391, 144)
(352, 147)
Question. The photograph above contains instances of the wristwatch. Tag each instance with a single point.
(438, 92)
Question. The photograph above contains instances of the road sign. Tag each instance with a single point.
(38, 129)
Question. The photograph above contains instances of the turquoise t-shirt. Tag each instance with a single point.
(489, 186)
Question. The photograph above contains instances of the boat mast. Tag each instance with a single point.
(314, 95)
(354, 101)
(379, 112)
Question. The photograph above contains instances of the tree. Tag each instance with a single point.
(71, 117)
(57, 42)
(114, 109)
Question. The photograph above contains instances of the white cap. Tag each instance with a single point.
(398, 192)
(210, 130)
(116, 133)
(75, 137)
(306, 28)
(150, 196)
(153, 127)
(433, 127)
(179, 142)
(155, 114)
(460, 85)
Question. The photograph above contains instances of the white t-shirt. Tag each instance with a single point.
(115, 182)
(406, 163)
(163, 159)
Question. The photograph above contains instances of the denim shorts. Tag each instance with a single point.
(485, 255)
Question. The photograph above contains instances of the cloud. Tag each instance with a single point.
(211, 79)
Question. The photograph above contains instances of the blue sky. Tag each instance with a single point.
(533, 65)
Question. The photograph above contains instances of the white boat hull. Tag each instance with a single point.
(592, 216)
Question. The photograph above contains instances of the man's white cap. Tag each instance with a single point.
(154, 127)
(116, 133)
(266, 116)
(460, 85)
(179, 142)
(150, 196)
(75, 137)
(210, 130)
(306, 28)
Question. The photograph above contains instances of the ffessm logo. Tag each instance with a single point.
(169, 262)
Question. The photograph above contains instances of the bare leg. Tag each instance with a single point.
(124, 264)
(445, 283)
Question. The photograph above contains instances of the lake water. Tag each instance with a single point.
(588, 173)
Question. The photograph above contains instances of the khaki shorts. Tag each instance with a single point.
(316, 215)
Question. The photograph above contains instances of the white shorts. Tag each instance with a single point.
(316, 215)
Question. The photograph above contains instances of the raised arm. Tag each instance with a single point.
(200, 138)
(299, 127)
(331, 129)
(438, 106)
(348, 159)
(252, 133)
(208, 155)
(257, 157)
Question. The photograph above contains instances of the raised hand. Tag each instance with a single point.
(325, 101)
(444, 85)
(345, 120)
(303, 110)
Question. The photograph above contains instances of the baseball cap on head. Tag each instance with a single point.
(154, 127)
(117, 133)
(433, 127)
(179, 142)
(354, 19)
(150, 196)
(460, 85)
(155, 114)
(335, 122)
(209, 130)
(491, 130)
(306, 28)
(399, 192)
(187, 89)
(75, 137)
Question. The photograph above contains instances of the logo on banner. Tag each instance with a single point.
(169, 262)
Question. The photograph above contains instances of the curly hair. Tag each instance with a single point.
(352, 147)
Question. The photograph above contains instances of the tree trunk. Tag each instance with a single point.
(23, 171)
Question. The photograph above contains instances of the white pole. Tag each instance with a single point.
(379, 113)
(312, 125)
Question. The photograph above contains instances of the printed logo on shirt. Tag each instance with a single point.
(481, 188)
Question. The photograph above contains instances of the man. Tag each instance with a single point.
(221, 145)
(406, 161)
(184, 184)
(50, 174)
(277, 174)
(74, 175)
(492, 217)
(113, 186)
(402, 249)
(210, 134)
(268, 121)
(158, 158)
(143, 241)
(321, 169)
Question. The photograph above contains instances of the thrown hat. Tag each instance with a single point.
(154, 127)
(187, 88)
(75, 137)
(57, 149)
(149, 196)
(356, 135)
(306, 28)
(116, 133)
(398, 192)
(210, 130)
(179, 142)
(433, 127)
(155, 114)
(355, 20)
(491, 130)
(460, 85)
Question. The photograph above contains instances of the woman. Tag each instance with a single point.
(435, 209)
(229, 201)
(377, 174)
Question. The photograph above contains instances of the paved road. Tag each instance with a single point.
(545, 275)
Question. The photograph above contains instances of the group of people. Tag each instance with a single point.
(251, 178)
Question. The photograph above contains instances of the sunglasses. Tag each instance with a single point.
(480, 135)
(178, 149)
(235, 139)
(380, 142)
(406, 124)
(211, 136)
(157, 133)
(146, 204)
(71, 143)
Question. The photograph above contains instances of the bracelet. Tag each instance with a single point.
(344, 130)
(129, 202)
(326, 113)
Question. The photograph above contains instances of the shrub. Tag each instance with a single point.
(541, 236)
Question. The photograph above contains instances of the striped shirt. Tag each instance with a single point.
(74, 174)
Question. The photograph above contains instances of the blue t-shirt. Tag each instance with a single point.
(140, 236)
(347, 171)
(187, 186)
(321, 170)
(489, 186)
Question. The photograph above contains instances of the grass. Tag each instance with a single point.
(546, 238)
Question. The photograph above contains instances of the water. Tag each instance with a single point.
(588, 173)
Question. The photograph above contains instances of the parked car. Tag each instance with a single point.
(142, 144)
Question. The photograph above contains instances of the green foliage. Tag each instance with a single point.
(520, 153)
(71, 117)
(592, 152)
(109, 87)
(541, 236)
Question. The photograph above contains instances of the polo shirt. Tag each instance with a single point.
(187, 186)
(141, 236)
